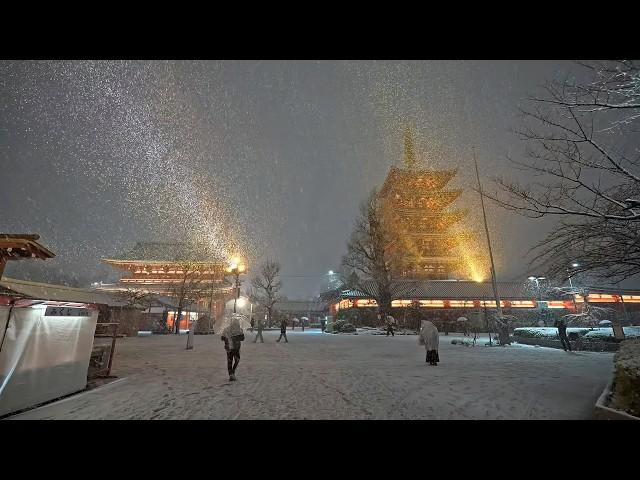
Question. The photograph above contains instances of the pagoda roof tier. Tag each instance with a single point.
(20, 246)
(429, 201)
(427, 215)
(402, 179)
(446, 289)
(430, 222)
(436, 259)
(159, 252)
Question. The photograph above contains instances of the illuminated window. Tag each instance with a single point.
(365, 302)
(491, 303)
(461, 303)
(431, 303)
(523, 304)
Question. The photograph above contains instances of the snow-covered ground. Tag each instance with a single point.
(324, 376)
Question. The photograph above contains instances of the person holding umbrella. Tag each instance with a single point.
(463, 323)
(429, 337)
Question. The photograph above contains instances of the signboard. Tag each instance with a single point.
(67, 312)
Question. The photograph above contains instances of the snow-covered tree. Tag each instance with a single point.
(188, 289)
(587, 314)
(583, 152)
(368, 254)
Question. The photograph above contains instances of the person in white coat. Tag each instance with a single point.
(430, 338)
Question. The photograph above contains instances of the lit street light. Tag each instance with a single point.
(236, 268)
(573, 295)
(538, 294)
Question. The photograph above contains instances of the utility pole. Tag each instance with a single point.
(504, 336)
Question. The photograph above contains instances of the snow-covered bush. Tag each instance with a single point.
(602, 334)
(342, 326)
(626, 378)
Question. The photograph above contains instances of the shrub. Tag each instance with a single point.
(626, 378)
(342, 326)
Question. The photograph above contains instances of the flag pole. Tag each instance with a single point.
(486, 229)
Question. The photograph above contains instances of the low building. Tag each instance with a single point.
(443, 301)
(111, 308)
(46, 343)
(189, 273)
(314, 311)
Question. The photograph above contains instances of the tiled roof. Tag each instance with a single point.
(299, 306)
(447, 289)
(171, 252)
(61, 293)
(432, 179)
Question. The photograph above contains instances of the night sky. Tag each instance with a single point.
(275, 156)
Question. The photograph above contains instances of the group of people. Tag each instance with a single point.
(232, 336)
(429, 337)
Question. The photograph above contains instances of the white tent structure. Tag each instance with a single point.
(45, 348)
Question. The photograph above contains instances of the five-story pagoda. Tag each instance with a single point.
(415, 208)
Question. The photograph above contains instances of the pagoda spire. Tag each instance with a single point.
(409, 154)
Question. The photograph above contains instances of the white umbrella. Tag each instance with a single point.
(295, 320)
(604, 322)
(462, 319)
(305, 318)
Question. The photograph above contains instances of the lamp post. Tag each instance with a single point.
(236, 268)
(573, 295)
(538, 295)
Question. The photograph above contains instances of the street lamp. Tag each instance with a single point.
(536, 279)
(538, 294)
(236, 268)
(573, 295)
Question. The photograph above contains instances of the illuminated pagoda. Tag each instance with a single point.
(161, 268)
(415, 205)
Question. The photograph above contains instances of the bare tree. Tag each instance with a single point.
(135, 297)
(267, 286)
(369, 255)
(190, 288)
(583, 154)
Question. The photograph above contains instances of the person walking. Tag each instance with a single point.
(232, 336)
(430, 338)
(562, 333)
(323, 324)
(259, 334)
(390, 323)
(253, 323)
(283, 330)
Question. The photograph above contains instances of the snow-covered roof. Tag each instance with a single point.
(446, 289)
(291, 306)
(46, 291)
(169, 252)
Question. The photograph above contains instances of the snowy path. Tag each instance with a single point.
(321, 376)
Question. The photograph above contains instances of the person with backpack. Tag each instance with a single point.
(283, 330)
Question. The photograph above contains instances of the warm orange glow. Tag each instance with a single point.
(431, 303)
(461, 303)
(492, 303)
(523, 303)
(401, 303)
(364, 302)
